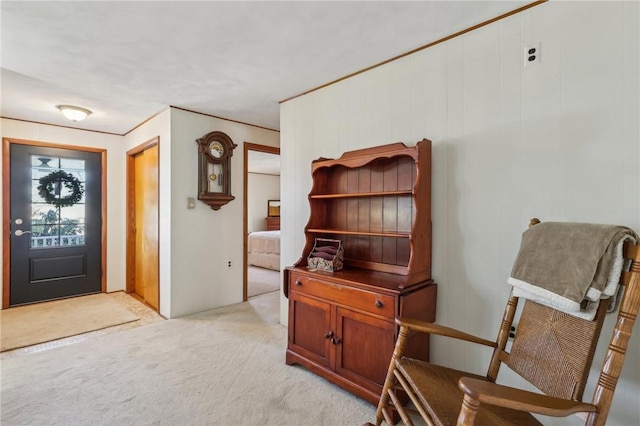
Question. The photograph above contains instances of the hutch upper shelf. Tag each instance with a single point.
(377, 201)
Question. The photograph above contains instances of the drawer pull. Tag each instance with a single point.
(379, 304)
(298, 282)
(329, 335)
(336, 340)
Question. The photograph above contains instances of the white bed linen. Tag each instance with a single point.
(264, 249)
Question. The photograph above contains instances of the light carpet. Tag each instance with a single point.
(261, 280)
(32, 324)
(220, 367)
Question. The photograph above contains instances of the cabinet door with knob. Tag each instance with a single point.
(364, 349)
(310, 330)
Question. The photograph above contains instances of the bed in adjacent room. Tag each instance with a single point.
(264, 249)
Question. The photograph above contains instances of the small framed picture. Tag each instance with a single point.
(273, 208)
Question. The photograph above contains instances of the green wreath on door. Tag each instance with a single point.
(50, 186)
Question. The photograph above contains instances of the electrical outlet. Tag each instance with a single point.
(531, 55)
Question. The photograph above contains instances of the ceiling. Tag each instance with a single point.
(263, 163)
(127, 61)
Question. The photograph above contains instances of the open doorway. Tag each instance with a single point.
(261, 220)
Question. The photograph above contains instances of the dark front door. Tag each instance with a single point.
(55, 236)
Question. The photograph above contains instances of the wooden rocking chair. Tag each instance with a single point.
(551, 349)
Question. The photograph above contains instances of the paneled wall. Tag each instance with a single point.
(559, 140)
(203, 241)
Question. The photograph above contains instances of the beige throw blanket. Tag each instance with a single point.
(570, 266)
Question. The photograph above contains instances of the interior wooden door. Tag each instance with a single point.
(144, 266)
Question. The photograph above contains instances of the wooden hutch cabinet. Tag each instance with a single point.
(377, 202)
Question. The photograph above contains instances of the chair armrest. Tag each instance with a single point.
(433, 328)
(521, 400)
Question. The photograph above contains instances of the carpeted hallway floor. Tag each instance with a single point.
(261, 280)
(224, 366)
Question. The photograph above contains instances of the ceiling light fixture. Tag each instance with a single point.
(74, 113)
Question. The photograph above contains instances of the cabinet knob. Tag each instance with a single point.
(336, 340)
(329, 335)
(298, 282)
(379, 304)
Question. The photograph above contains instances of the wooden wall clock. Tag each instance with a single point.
(214, 169)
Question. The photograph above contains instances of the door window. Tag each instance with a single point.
(52, 225)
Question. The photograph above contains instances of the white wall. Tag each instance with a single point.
(261, 188)
(204, 240)
(559, 141)
(115, 182)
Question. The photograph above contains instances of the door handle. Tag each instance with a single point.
(20, 232)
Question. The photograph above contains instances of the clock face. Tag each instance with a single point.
(216, 149)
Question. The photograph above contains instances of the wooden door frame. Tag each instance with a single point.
(131, 209)
(248, 146)
(6, 209)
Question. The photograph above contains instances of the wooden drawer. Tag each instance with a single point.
(374, 303)
(273, 223)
